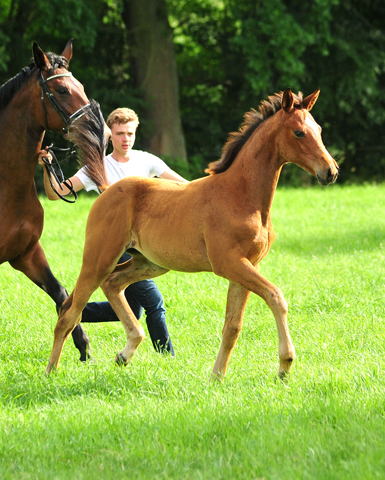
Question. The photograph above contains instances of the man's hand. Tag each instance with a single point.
(47, 156)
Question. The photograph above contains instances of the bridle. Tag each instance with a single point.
(67, 119)
(58, 176)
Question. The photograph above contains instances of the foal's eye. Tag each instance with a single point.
(299, 133)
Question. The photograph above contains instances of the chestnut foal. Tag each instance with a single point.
(219, 223)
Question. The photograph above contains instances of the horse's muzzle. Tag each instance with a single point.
(330, 177)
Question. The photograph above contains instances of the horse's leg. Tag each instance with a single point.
(275, 300)
(243, 272)
(237, 297)
(136, 269)
(98, 263)
(71, 310)
(35, 266)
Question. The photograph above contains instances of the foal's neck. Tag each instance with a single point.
(256, 170)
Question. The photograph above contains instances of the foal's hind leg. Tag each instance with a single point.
(35, 266)
(71, 310)
(237, 297)
(135, 269)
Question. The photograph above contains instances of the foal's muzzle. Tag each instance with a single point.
(330, 177)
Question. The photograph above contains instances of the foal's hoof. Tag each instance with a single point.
(120, 360)
(284, 376)
(216, 378)
(284, 368)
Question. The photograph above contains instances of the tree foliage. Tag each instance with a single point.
(234, 53)
(230, 54)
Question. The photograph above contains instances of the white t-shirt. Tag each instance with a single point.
(141, 164)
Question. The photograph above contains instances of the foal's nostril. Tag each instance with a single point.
(331, 177)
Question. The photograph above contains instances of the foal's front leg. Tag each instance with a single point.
(243, 272)
(274, 299)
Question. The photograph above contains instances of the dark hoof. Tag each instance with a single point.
(284, 376)
(85, 354)
(120, 361)
(84, 357)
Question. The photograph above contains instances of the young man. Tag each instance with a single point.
(124, 162)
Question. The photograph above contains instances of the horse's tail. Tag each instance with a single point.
(88, 134)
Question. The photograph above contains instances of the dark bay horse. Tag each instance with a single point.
(42, 96)
(220, 223)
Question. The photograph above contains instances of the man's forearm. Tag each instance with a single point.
(48, 188)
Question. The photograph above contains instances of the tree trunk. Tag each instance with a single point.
(155, 74)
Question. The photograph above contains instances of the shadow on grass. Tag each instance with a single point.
(343, 242)
(25, 388)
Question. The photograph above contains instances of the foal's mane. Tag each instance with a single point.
(252, 120)
(9, 89)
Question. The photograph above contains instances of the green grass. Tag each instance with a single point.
(160, 417)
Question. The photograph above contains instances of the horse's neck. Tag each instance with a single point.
(18, 148)
(255, 173)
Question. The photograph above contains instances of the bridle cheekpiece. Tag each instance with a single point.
(67, 119)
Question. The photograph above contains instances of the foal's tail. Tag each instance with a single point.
(88, 134)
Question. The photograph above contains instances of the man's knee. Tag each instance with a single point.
(148, 295)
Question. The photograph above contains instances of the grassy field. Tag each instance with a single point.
(160, 417)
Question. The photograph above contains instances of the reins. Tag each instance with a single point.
(58, 176)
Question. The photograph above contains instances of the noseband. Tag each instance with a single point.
(67, 119)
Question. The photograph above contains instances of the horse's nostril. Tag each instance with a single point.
(330, 176)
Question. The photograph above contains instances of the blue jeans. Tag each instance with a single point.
(142, 295)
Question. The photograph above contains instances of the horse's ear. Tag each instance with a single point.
(287, 100)
(309, 101)
(41, 60)
(67, 52)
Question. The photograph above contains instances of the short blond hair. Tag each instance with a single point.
(122, 115)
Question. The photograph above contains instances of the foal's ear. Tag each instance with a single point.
(309, 101)
(287, 100)
(67, 52)
(41, 60)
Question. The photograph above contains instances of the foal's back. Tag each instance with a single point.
(166, 221)
(180, 226)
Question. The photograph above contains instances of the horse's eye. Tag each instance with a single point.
(299, 133)
(62, 90)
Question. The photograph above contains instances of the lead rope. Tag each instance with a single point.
(58, 176)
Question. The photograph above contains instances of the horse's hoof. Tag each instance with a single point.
(216, 378)
(120, 361)
(284, 376)
(85, 355)
(49, 369)
(284, 368)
